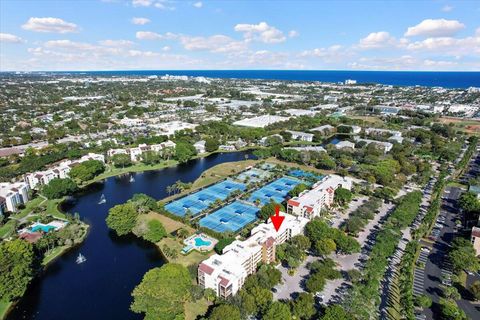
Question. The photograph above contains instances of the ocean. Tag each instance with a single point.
(396, 78)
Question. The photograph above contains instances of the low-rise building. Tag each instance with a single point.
(61, 170)
(344, 145)
(226, 273)
(385, 146)
(326, 129)
(200, 146)
(310, 203)
(475, 239)
(260, 122)
(12, 195)
(301, 136)
(353, 129)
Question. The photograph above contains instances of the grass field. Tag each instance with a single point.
(7, 229)
(193, 257)
(470, 126)
(169, 224)
(5, 305)
(53, 254)
(301, 166)
(111, 171)
(195, 309)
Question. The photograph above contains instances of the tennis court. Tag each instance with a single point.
(231, 218)
(253, 175)
(276, 190)
(304, 174)
(198, 201)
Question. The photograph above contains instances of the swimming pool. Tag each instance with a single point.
(44, 228)
(200, 242)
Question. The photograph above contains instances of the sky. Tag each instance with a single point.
(37, 35)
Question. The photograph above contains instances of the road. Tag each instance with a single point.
(437, 264)
(392, 268)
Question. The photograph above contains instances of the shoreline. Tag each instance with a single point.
(8, 306)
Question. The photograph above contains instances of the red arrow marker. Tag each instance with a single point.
(277, 219)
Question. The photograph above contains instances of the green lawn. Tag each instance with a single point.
(54, 253)
(4, 306)
(52, 208)
(7, 229)
(195, 309)
(140, 167)
(29, 207)
(193, 257)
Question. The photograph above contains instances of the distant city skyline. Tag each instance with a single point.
(310, 35)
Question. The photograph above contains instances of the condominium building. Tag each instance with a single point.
(61, 171)
(310, 203)
(135, 153)
(385, 146)
(301, 136)
(11, 195)
(226, 273)
(475, 239)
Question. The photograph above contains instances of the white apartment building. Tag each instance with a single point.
(301, 136)
(475, 239)
(377, 131)
(260, 122)
(324, 129)
(11, 195)
(344, 144)
(310, 203)
(355, 129)
(136, 152)
(226, 273)
(200, 146)
(61, 170)
(385, 146)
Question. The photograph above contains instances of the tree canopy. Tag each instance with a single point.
(16, 268)
(122, 218)
(58, 188)
(163, 292)
(87, 170)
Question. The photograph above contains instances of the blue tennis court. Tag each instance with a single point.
(253, 175)
(276, 190)
(304, 174)
(231, 218)
(198, 201)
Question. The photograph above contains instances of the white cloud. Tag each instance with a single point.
(142, 3)
(49, 24)
(333, 54)
(139, 53)
(377, 40)
(435, 28)
(293, 34)
(216, 43)
(447, 8)
(140, 21)
(116, 43)
(448, 46)
(159, 4)
(198, 4)
(149, 35)
(11, 38)
(166, 48)
(260, 32)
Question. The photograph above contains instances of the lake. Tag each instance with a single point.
(100, 288)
